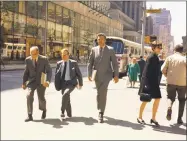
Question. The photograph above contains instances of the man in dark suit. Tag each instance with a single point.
(70, 72)
(36, 65)
(103, 61)
(141, 64)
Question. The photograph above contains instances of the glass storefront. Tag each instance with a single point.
(23, 24)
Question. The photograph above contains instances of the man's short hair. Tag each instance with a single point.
(178, 48)
(34, 48)
(65, 49)
(101, 34)
(141, 57)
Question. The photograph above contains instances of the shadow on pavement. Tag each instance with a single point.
(174, 129)
(85, 120)
(56, 123)
(117, 122)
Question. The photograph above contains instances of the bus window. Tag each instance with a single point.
(14, 47)
(117, 45)
(132, 50)
(10, 47)
(136, 52)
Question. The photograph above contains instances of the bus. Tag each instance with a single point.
(123, 50)
(9, 47)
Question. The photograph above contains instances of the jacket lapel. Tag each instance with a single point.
(70, 68)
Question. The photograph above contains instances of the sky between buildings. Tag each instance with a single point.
(178, 15)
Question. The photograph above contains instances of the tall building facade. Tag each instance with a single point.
(149, 26)
(162, 28)
(129, 13)
(67, 24)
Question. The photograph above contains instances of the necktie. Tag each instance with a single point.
(64, 71)
(35, 62)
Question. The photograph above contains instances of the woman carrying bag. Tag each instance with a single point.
(149, 87)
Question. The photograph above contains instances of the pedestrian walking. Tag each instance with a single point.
(161, 62)
(133, 71)
(67, 73)
(1, 61)
(174, 69)
(36, 66)
(150, 83)
(101, 70)
(141, 64)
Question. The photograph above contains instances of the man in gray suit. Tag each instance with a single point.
(103, 61)
(36, 65)
(70, 72)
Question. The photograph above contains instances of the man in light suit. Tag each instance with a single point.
(36, 65)
(103, 61)
(70, 72)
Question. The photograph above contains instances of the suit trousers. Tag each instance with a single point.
(171, 95)
(66, 103)
(41, 98)
(102, 88)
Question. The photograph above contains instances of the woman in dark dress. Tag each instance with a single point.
(150, 82)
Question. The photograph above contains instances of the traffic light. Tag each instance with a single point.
(147, 39)
(153, 38)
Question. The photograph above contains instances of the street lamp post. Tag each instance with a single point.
(143, 28)
(45, 37)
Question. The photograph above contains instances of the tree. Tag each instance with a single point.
(88, 39)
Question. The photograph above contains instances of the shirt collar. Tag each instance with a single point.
(36, 59)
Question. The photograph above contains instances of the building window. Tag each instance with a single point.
(72, 19)
(12, 6)
(51, 12)
(66, 17)
(58, 14)
(31, 7)
(58, 32)
(65, 33)
(41, 9)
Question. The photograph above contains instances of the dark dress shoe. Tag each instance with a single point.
(179, 121)
(155, 122)
(29, 118)
(100, 118)
(43, 115)
(62, 116)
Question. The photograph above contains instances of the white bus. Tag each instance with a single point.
(9, 47)
(123, 49)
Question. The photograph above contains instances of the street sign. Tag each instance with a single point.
(153, 11)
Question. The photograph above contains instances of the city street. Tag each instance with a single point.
(120, 116)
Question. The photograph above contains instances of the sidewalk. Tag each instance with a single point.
(120, 116)
(12, 67)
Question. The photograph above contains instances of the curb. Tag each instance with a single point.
(22, 68)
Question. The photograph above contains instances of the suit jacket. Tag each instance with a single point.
(141, 64)
(32, 75)
(75, 74)
(106, 64)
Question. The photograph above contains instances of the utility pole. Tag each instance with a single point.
(45, 37)
(143, 27)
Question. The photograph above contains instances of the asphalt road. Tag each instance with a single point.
(13, 79)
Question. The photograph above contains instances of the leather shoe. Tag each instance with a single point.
(29, 118)
(179, 121)
(43, 115)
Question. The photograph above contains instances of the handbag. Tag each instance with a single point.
(145, 97)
